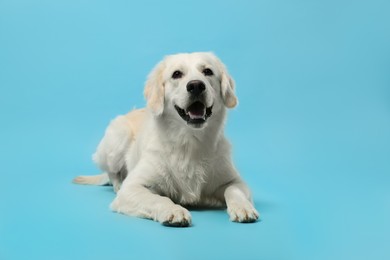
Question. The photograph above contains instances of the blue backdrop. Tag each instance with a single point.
(311, 135)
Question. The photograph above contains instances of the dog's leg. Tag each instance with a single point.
(239, 205)
(139, 201)
(110, 154)
(235, 193)
(136, 199)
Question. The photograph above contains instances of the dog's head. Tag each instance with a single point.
(190, 87)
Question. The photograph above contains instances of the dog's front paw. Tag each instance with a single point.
(175, 216)
(244, 213)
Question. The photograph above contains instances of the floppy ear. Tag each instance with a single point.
(154, 90)
(227, 87)
(227, 91)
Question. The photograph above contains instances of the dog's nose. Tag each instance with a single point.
(196, 87)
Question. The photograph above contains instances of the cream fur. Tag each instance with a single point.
(158, 164)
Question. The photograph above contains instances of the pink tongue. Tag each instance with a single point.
(196, 114)
(197, 110)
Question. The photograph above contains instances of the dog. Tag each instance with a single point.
(173, 153)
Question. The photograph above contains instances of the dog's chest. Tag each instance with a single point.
(185, 176)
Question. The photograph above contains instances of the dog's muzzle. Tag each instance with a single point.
(195, 87)
(195, 114)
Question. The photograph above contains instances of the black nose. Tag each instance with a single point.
(196, 87)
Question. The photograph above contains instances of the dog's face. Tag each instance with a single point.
(190, 88)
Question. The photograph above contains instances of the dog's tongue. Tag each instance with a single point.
(196, 110)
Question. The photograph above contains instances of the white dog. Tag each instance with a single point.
(173, 153)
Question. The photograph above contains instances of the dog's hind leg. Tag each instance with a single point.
(110, 153)
(116, 179)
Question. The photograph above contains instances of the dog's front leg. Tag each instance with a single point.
(239, 205)
(135, 199)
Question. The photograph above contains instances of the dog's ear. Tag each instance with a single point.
(154, 90)
(227, 91)
(227, 87)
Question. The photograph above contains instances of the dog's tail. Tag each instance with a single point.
(100, 180)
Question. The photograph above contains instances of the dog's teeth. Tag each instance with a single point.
(195, 116)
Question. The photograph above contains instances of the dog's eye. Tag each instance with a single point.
(177, 74)
(208, 72)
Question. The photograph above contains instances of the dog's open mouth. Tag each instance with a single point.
(196, 113)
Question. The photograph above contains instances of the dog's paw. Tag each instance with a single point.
(244, 213)
(116, 186)
(175, 216)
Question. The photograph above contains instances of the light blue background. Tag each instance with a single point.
(311, 135)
